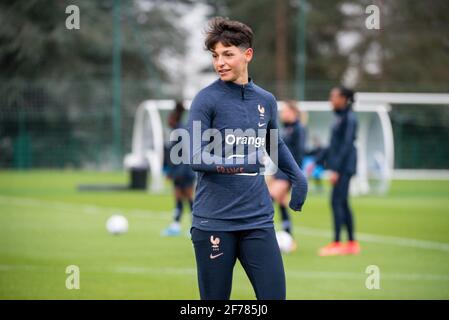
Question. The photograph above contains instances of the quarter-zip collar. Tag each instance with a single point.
(240, 89)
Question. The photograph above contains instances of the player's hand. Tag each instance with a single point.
(297, 198)
(299, 194)
(333, 178)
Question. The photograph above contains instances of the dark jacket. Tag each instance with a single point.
(341, 155)
(294, 136)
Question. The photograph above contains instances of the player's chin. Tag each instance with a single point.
(227, 76)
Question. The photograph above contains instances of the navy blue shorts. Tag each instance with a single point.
(183, 182)
(258, 252)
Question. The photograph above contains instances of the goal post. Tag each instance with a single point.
(147, 152)
(375, 144)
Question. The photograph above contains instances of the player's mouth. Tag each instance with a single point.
(223, 72)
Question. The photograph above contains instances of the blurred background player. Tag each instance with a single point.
(293, 135)
(341, 159)
(181, 175)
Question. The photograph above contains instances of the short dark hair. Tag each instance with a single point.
(229, 33)
(347, 93)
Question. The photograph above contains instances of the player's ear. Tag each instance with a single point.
(249, 54)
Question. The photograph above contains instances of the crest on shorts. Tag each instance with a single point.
(215, 242)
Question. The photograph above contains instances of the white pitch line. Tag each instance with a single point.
(302, 230)
(183, 271)
(374, 238)
(292, 273)
(362, 275)
(85, 208)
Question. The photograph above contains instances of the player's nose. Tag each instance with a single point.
(220, 61)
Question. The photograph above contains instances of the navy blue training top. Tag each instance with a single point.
(231, 195)
(341, 154)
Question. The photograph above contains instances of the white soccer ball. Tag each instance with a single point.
(285, 241)
(117, 224)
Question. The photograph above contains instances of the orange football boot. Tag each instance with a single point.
(332, 249)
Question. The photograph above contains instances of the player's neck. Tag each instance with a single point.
(242, 79)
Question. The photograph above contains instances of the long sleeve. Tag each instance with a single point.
(286, 163)
(201, 157)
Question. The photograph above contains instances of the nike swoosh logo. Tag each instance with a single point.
(216, 256)
(261, 124)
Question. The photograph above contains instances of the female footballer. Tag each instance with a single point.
(231, 122)
(341, 159)
(181, 175)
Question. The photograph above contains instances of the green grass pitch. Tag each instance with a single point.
(47, 225)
